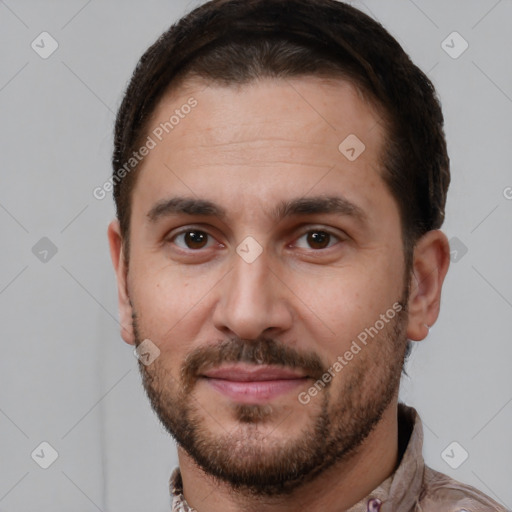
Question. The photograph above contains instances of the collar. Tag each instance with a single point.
(398, 493)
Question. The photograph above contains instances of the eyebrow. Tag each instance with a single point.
(299, 206)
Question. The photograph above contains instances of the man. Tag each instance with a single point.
(280, 177)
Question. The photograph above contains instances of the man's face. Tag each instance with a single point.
(250, 308)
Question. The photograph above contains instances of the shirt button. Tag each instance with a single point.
(374, 505)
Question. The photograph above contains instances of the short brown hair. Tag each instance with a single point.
(235, 41)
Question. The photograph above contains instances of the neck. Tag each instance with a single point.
(337, 488)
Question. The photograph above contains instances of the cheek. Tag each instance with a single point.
(338, 305)
(170, 306)
(174, 304)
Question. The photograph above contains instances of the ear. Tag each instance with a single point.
(125, 309)
(430, 265)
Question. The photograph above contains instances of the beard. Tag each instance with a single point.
(336, 422)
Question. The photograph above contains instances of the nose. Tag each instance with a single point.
(253, 301)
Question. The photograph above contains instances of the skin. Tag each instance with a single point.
(247, 148)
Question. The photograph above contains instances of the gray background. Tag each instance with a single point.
(67, 378)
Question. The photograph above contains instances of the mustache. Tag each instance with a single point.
(261, 351)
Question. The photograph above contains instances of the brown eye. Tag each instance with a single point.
(317, 239)
(191, 239)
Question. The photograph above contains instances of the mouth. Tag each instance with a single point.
(250, 384)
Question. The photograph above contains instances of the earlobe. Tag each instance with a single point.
(430, 265)
(118, 261)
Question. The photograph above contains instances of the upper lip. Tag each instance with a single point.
(249, 373)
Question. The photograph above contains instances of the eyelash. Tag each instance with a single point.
(202, 231)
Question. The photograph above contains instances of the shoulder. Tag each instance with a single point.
(440, 493)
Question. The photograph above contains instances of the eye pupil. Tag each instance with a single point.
(195, 239)
(318, 238)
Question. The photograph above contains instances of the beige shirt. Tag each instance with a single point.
(413, 487)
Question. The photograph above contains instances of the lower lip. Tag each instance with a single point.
(254, 391)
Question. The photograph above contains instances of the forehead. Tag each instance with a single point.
(264, 136)
(331, 107)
